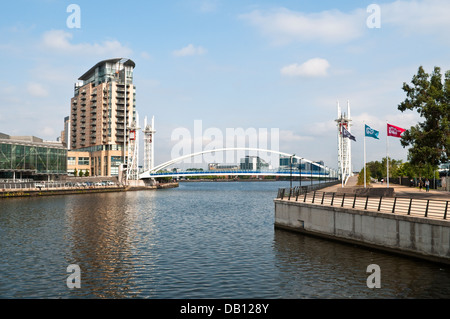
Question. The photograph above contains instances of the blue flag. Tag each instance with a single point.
(347, 134)
(370, 132)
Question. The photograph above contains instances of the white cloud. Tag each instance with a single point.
(288, 136)
(316, 67)
(37, 90)
(48, 131)
(190, 50)
(60, 41)
(285, 26)
(412, 17)
(207, 6)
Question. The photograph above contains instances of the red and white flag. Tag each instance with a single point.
(393, 130)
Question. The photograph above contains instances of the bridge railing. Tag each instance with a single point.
(429, 208)
(238, 172)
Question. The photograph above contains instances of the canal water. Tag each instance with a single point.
(201, 240)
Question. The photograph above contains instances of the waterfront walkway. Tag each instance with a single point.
(399, 190)
(405, 200)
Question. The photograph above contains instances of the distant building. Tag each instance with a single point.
(98, 118)
(252, 163)
(285, 162)
(299, 165)
(222, 167)
(31, 157)
(65, 134)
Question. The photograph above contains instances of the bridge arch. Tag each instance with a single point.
(181, 158)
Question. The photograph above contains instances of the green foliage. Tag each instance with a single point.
(361, 177)
(429, 140)
(399, 169)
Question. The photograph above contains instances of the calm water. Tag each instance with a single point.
(201, 240)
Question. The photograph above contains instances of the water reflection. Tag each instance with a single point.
(105, 234)
(202, 240)
(310, 267)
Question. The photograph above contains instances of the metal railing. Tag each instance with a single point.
(32, 186)
(419, 207)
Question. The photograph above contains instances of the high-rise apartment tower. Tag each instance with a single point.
(102, 108)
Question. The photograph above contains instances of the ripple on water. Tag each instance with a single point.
(202, 240)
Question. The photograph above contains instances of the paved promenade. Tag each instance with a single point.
(400, 190)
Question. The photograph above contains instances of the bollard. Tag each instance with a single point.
(393, 206)
(446, 207)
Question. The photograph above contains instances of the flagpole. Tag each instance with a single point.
(365, 154)
(342, 158)
(387, 155)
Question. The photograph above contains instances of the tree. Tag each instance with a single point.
(376, 169)
(361, 176)
(430, 139)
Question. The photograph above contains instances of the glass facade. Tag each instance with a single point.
(37, 159)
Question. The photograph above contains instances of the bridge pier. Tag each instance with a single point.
(149, 181)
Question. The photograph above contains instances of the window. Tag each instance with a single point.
(71, 161)
(83, 160)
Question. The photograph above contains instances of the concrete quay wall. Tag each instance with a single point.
(413, 236)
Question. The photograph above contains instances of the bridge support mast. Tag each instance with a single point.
(344, 145)
(133, 151)
(149, 131)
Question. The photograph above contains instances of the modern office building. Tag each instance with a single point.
(285, 162)
(31, 157)
(102, 108)
(253, 163)
(299, 165)
(65, 134)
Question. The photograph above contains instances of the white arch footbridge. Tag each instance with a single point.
(320, 171)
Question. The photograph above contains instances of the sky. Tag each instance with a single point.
(280, 65)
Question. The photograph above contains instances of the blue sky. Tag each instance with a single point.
(231, 64)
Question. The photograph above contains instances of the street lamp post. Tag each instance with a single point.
(290, 177)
